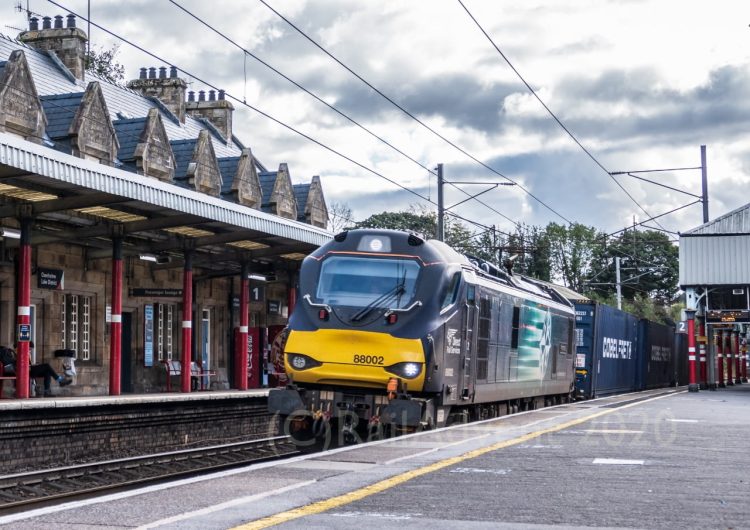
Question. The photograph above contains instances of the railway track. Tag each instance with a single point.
(24, 490)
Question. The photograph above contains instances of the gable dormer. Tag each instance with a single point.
(311, 203)
(20, 109)
(278, 193)
(197, 165)
(92, 134)
(240, 179)
(153, 154)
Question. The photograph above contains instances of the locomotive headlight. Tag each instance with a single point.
(405, 370)
(301, 362)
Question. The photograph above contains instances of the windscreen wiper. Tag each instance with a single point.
(398, 290)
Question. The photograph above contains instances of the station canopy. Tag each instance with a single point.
(74, 200)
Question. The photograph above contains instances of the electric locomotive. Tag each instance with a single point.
(395, 331)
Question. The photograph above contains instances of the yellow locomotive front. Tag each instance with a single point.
(361, 350)
(355, 324)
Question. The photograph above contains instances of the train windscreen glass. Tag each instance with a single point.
(358, 282)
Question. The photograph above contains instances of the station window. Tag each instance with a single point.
(166, 317)
(76, 324)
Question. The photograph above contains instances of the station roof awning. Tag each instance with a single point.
(716, 253)
(77, 200)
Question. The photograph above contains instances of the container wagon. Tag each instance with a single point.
(656, 350)
(607, 360)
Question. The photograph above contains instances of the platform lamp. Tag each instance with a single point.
(693, 386)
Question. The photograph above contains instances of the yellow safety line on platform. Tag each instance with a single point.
(347, 498)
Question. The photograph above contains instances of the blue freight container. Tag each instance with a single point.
(682, 369)
(657, 366)
(607, 353)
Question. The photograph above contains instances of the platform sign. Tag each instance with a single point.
(681, 326)
(155, 292)
(727, 316)
(50, 278)
(24, 332)
(257, 293)
(274, 307)
(148, 335)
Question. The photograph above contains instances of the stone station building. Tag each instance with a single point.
(136, 228)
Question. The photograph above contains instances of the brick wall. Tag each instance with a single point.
(40, 438)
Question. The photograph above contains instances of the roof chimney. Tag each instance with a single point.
(216, 110)
(68, 43)
(169, 90)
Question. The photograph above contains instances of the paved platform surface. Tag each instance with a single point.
(126, 399)
(646, 460)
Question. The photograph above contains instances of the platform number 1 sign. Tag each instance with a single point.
(257, 293)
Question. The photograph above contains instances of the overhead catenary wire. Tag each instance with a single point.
(411, 115)
(251, 107)
(549, 111)
(248, 105)
(132, 135)
(301, 87)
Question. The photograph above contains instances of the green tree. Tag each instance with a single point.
(649, 265)
(424, 222)
(339, 216)
(642, 306)
(528, 250)
(572, 249)
(103, 62)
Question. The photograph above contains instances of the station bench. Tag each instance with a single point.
(197, 374)
(4, 378)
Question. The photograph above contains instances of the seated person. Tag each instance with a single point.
(8, 360)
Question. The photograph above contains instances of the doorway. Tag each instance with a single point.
(126, 354)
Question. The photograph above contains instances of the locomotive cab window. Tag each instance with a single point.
(451, 293)
(358, 282)
(471, 295)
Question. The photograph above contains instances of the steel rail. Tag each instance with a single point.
(22, 490)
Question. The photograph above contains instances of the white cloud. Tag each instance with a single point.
(640, 83)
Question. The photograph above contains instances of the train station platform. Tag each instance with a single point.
(128, 399)
(655, 459)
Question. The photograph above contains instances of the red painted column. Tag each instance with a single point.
(23, 319)
(187, 320)
(720, 358)
(693, 384)
(737, 358)
(244, 323)
(729, 357)
(744, 360)
(703, 382)
(115, 335)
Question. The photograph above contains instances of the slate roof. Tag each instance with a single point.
(228, 167)
(60, 110)
(50, 80)
(301, 193)
(183, 154)
(267, 182)
(128, 134)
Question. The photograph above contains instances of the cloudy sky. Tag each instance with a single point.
(640, 83)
